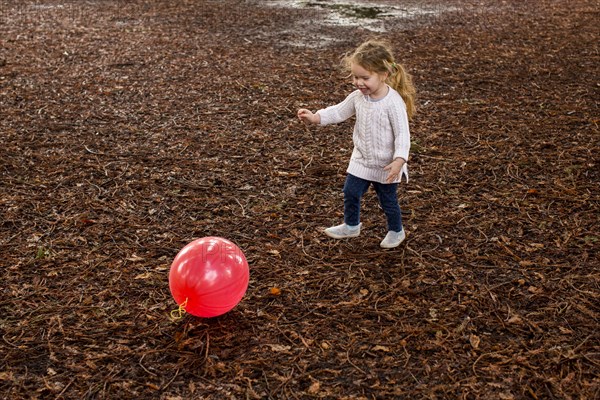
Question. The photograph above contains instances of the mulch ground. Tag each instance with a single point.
(130, 128)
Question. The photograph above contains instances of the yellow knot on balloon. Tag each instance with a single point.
(177, 314)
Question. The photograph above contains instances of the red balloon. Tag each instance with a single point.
(209, 277)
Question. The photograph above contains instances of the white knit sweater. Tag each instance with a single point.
(381, 133)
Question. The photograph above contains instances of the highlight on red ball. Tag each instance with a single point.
(209, 277)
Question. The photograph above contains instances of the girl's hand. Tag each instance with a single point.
(394, 169)
(308, 116)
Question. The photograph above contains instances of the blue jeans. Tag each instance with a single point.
(355, 188)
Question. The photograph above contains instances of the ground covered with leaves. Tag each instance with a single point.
(130, 128)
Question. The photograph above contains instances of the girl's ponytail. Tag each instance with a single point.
(401, 81)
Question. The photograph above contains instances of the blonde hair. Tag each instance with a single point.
(376, 56)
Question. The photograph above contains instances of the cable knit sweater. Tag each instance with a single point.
(381, 133)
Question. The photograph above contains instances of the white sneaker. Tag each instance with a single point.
(393, 239)
(343, 231)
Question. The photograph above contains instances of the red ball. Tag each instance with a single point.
(209, 277)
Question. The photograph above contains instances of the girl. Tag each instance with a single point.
(383, 103)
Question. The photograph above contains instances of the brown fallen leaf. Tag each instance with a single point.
(474, 340)
(279, 348)
(274, 252)
(314, 387)
(275, 291)
(381, 348)
(515, 319)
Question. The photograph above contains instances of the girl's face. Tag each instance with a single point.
(369, 83)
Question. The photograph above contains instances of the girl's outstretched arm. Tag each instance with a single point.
(308, 116)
